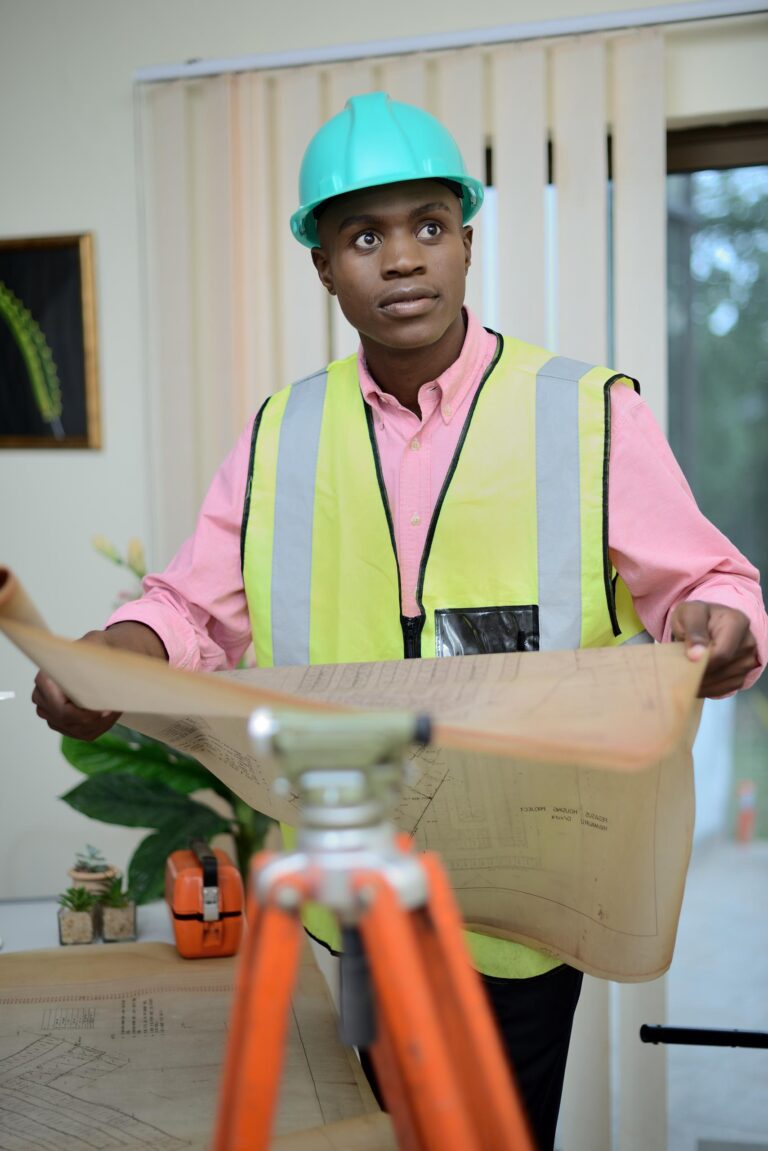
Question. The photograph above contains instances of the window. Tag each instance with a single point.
(718, 374)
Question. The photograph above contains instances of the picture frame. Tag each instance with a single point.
(49, 391)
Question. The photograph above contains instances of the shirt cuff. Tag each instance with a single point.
(177, 634)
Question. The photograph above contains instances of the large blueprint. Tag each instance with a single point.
(558, 790)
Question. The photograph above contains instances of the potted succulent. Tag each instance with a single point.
(118, 913)
(77, 916)
(92, 871)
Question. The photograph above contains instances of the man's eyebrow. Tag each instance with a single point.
(370, 221)
(435, 206)
(358, 222)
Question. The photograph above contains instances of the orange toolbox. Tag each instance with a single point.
(204, 892)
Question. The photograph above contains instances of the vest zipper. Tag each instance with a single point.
(412, 628)
(449, 477)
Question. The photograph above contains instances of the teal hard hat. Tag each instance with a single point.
(374, 141)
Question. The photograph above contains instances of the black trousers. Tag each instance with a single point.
(534, 1017)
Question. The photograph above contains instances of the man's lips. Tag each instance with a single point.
(408, 302)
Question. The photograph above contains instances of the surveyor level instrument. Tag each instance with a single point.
(408, 991)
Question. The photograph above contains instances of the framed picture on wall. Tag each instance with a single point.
(49, 393)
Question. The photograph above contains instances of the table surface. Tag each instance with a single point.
(318, 1067)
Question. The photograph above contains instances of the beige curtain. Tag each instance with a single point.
(234, 307)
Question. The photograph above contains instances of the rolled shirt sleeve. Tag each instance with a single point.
(197, 606)
(661, 545)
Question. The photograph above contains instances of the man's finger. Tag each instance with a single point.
(47, 692)
(731, 636)
(690, 625)
(64, 716)
(721, 687)
(731, 671)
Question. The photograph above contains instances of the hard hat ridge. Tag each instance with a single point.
(376, 140)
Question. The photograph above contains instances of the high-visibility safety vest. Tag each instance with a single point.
(516, 556)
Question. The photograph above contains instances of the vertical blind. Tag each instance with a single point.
(235, 310)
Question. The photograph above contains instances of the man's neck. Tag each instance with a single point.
(401, 372)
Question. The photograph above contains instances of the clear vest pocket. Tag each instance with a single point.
(485, 630)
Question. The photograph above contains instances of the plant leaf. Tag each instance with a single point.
(146, 870)
(131, 801)
(124, 750)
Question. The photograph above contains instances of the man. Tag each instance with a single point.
(444, 492)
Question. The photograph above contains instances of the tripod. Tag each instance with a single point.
(423, 1012)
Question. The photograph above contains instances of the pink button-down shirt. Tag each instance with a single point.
(661, 545)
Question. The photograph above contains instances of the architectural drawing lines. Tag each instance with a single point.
(41, 1110)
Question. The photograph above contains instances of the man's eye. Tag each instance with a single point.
(366, 240)
(429, 231)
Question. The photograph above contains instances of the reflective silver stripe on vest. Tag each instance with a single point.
(558, 502)
(294, 518)
(641, 637)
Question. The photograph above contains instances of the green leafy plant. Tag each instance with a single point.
(77, 899)
(114, 895)
(135, 781)
(91, 860)
(42, 372)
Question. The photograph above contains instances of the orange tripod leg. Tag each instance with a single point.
(470, 1031)
(428, 1100)
(267, 974)
(393, 1086)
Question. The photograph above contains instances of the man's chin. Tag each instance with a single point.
(411, 334)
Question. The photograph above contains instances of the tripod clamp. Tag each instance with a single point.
(345, 773)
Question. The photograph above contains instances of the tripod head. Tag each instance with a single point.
(345, 768)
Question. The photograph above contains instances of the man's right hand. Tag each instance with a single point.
(64, 716)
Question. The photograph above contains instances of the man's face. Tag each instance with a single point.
(396, 256)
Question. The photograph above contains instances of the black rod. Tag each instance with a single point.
(702, 1036)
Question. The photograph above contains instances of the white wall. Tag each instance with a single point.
(68, 164)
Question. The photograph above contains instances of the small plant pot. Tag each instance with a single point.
(95, 881)
(76, 926)
(118, 924)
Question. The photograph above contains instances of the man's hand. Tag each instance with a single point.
(64, 716)
(725, 633)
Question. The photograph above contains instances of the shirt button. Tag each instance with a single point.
(415, 445)
(415, 519)
(447, 411)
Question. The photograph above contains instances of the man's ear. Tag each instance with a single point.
(468, 233)
(323, 269)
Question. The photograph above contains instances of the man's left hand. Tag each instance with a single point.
(725, 633)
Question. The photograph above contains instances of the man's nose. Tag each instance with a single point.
(403, 255)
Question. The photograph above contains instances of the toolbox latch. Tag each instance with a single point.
(210, 868)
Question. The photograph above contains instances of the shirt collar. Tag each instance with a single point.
(454, 383)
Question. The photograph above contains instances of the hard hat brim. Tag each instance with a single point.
(304, 222)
